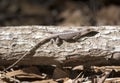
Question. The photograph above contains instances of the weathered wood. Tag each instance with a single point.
(17, 40)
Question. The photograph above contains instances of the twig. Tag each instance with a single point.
(78, 77)
(3, 75)
(102, 79)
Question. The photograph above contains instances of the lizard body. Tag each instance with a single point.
(71, 35)
(75, 34)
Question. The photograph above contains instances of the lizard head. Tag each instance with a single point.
(88, 32)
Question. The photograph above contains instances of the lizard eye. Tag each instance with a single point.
(90, 29)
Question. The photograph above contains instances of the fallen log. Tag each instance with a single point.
(101, 48)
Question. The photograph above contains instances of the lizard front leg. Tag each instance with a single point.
(77, 36)
(57, 41)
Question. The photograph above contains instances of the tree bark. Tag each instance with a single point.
(94, 49)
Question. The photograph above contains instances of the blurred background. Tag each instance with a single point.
(59, 12)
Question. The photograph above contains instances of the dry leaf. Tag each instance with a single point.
(59, 73)
(31, 72)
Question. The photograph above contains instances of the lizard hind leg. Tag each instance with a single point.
(52, 41)
(59, 41)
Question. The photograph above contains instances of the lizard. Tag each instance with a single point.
(71, 36)
(67, 36)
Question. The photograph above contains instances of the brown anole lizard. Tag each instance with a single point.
(67, 36)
